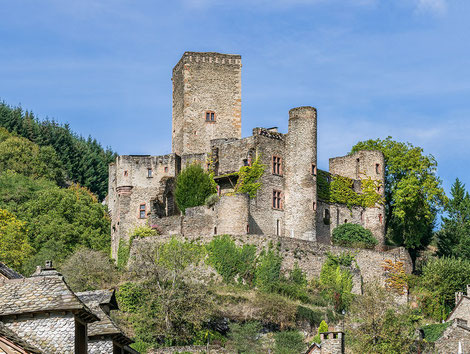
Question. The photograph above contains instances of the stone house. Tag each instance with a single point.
(458, 333)
(331, 343)
(45, 313)
(10, 343)
(104, 336)
(206, 122)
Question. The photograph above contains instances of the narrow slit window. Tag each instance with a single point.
(142, 211)
(166, 169)
(278, 227)
(380, 218)
(377, 168)
(126, 173)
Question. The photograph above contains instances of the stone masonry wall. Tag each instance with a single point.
(310, 256)
(300, 182)
(100, 346)
(462, 311)
(205, 82)
(53, 334)
(449, 341)
(136, 180)
(332, 343)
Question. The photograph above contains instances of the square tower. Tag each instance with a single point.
(206, 101)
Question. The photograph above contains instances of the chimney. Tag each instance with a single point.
(468, 289)
(458, 296)
(48, 265)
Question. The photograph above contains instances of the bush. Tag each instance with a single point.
(289, 342)
(314, 317)
(268, 272)
(433, 332)
(193, 186)
(231, 261)
(353, 235)
(337, 280)
(274, 309)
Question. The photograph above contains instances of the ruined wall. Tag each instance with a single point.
(52, 333)
(137, 180)
(300, 183)
(359, 165)
(329, 216)
(205, 82)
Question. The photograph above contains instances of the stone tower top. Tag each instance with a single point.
(206, 100)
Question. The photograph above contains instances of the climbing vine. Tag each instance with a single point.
(396, 276)
(339, 189)
(248, 178)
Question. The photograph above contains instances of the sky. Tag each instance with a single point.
(372, 68)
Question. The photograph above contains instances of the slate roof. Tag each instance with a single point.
(96, 301)
(13, 337)
(41, 293)
(8, 272)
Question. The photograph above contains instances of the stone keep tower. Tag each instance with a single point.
(300, 174)
(206, 101)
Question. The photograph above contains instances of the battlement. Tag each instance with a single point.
(209, 57)
(271, 133)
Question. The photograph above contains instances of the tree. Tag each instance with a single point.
(440, 280)
(413, 192)
(453, 240)
(245, 337)
(289, 342)
(14, 246)
(376, 325)
(99, 272)
(337, 280)
(172, 311)
(193, 186)
(66, 218)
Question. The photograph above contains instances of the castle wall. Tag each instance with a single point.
(134, 181)
(310, 256)
(359, 165)
(300, 183)
(205, 82)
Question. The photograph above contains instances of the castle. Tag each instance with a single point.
(206, 129)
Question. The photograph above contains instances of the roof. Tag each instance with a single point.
(12, 337)
(96, 300)
(41, 293)
(8, 272)
(466, 297)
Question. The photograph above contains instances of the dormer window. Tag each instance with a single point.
(210, 116)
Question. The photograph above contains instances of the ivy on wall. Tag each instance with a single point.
(339, 189)
(396, 276)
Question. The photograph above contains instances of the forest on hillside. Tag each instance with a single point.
(177, 292)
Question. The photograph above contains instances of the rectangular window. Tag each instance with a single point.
(142, 213)
(149, 172)
(314, 170)
(210, 116)
(166, 169)
(277, 165)
(125, 173)
(277, 203)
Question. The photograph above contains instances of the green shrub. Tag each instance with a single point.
(289, 342)
(337, 281)
(231, 261)
(268, 272)
(248, 178)
(131, 296)
(353, 235)
(193, 186)
(321, 329)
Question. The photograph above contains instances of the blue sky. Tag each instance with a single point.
(372, 68)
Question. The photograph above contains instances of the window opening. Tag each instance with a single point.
(377, 168)
(278, 227)
(142, 211)
(277, 199)
(380, 218)
(125, 173)
(277, 165)
(210, 116)
(149, 172)
(314, 170)
(166, 169)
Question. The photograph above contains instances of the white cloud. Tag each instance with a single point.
(438, 7)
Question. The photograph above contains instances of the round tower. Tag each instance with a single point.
(300, 174)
